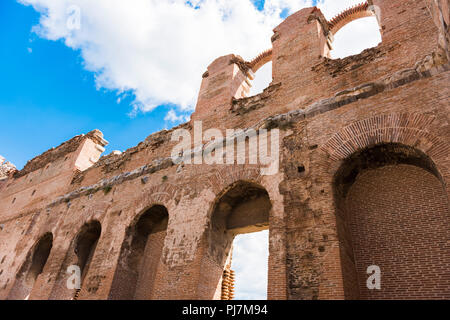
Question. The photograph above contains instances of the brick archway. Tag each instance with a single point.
(241, 207)
(362, 10)
(410, 129)
(389, 178)
(157, 195)
(32, 268)
(261, 60)
(226, 177)
(80, 253)
(140, 255)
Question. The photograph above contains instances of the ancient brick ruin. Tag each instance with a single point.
(364, 180)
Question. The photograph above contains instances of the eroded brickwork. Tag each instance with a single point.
(364, 179)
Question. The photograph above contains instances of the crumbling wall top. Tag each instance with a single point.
(59, 152)
(6, 168)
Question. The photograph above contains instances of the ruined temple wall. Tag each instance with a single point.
(410, 107)
(307, 202)
(407, 204)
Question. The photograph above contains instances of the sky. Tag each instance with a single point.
(130, 68)
(251, 278)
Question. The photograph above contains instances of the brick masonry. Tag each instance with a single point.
(364, 179)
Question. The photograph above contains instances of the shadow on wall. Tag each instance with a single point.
(140, 256)
(393, 212)
(80, 254)
(32, 268)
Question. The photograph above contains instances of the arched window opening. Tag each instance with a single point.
(140, 256)
(262, 79)
(355, 37)
(258, 75)
(242, 210)
(80, 253)
(32, 268)
(392, 212)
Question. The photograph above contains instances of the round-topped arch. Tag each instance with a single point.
(390, 191)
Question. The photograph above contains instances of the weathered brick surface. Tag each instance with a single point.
(399, 220)
(337, 205)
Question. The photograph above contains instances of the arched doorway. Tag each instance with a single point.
(80, 254)
(32, 268)
(140, 256)
(393, 213)
(241, 209)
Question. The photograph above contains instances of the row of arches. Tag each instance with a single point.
(243, 208)
(80, 254)
(129, 281)
(391, 209)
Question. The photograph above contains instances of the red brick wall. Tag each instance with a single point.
(152, 258)
(399, 220)
(400, 98)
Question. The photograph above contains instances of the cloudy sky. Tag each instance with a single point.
(131, 68)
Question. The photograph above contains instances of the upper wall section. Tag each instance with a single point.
(300, 55)
(65, 150)
(49, 174)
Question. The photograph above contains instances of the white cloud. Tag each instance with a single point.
(159, 49)
(331, 8)
(355, 37)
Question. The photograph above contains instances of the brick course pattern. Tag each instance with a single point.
(363, 180)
